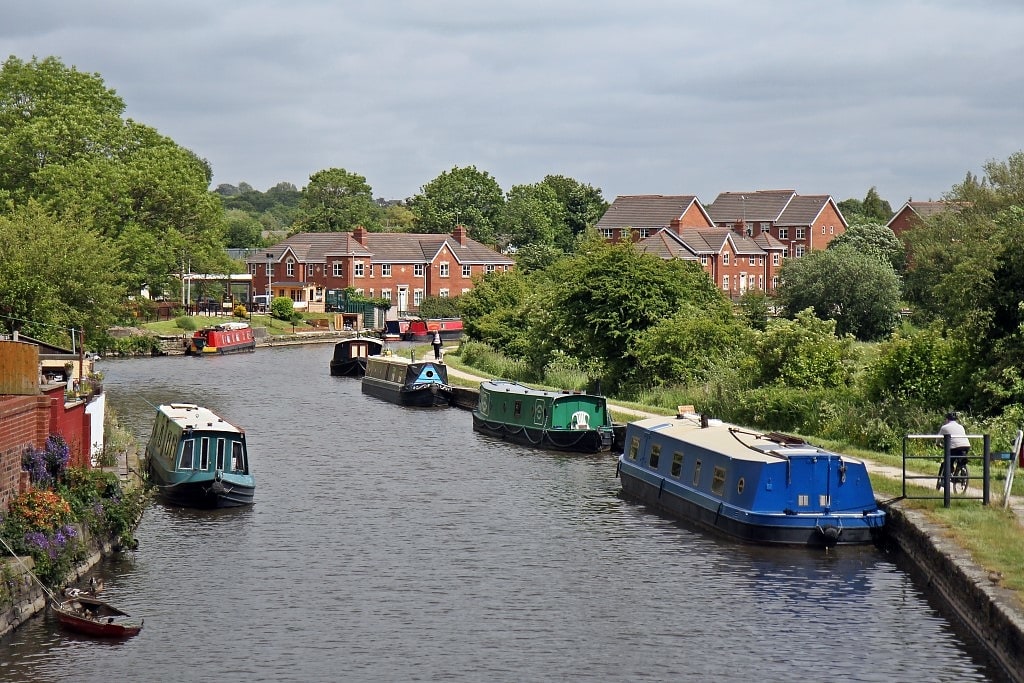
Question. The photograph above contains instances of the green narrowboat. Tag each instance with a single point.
(555, 420)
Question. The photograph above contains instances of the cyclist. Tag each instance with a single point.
(959, 445)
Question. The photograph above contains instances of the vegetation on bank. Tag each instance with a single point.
(47, 522)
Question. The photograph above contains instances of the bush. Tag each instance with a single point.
(186, 323)
(240, 311)
(282, 308)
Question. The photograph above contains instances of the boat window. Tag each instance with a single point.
(696, 474)
(517, 409)
(740, 485)
(220, 454)
(187, 446)
(677, 464)
(803, 500)
(824, 500)
(204, 453)
(655, 456)
(237, 457)
(634, 447)
(718, 481)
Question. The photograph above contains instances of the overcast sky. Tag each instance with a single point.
(632, 97)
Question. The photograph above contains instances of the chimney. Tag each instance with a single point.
(359, 234)
(741, 227)
(459, 233)
(676, 226)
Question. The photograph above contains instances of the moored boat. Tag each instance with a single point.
(350, 356)
(197, 459)
(394, 330)
(422, 329)
(92, 616)
(233, 337)
(406, 381)
(760, 488)
(557, 420)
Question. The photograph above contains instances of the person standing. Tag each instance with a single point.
(436, 342)
(959, 445)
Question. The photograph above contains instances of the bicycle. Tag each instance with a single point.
(959, 477)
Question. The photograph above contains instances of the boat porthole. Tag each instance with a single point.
(739, 485)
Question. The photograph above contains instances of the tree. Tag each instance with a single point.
(495, 311)
(856, 290)
(55, 275)
(337, 201)
(242, 229)
(803, 353)
(872, 209)
(582, 207)
(531, 215)
(462, 196)
(873, 238)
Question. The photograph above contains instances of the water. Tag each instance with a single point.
(395, 544)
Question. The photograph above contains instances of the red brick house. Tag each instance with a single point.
(637, 217)
(403, 267)
(734, 260)
(913, 214)
(800, 222)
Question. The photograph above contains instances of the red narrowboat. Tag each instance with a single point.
(422, 330)
(223, 338)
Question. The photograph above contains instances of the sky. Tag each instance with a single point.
(640, 97)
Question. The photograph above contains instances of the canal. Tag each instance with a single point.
(395, 544)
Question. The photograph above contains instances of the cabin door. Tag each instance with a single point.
(810, 487)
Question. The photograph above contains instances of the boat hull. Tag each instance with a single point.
(424, 396)
(574, 441)
(352, 367)
(107, 621)
(763, 529)
(247, 347)
(204, 493)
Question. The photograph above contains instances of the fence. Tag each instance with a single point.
(946, 478)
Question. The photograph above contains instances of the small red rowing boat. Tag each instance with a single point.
(92, 616)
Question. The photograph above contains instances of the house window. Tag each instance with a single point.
(783, 233)
(357, 269)
(467, 271)
(291, 268)
(760, 282)
(831, 229)
(725, 282)
(607, 233)
(750, 230)
(800, 233)
(443, 293)
(823, 230)
(765, 227)
(417, 270)
(385, 270)
(443, 269)
(253, 268)
(775, 282)
(270, 270)
(799, 250)
(369, 271)
(385, 294)
(417, 296)
(490, 268)
(465, 289)
(760, 260)
(644, 233)
(703, 259)
(725, 259)
(336, 269)
(775, 258)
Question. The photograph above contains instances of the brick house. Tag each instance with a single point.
(913, 214)
(800, 222)
(734, 260)
(403, 267)
(637, 217)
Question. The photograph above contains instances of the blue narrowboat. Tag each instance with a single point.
(197, 459)
(760, 488)
(406, 381)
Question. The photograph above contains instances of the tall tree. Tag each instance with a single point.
(336, 200)
(461, 196)
(582, 206)
(873, 238)
(531, 215)
(856, 289)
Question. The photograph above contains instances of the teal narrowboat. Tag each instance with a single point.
(406, 381)
(556, 420)
(197, 459)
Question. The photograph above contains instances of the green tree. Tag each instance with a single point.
(495, 311)
(531, 215)
(582, 206)
(336, 200)
(399, 218)
(439, 307)
(921, 367)
(533, 257)
(243, 230)
(857, 290)
(55, 275)
(872, 209)
(461, 196)
(803, 353)
(873, 238)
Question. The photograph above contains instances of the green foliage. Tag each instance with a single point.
(439, 307)
(336, 200)
(187, 323)
(461, 196)
(872, 209)
(282, 308)
(491, 362)
(754, 307)
(582, 206)
(803, 353)
(98, 500)
(533, 257)
(240, 311)
(876, 239)
(920, 367)
(531, 215)
(495, 311)
(866, 305)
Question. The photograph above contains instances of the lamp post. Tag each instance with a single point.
(270, 260)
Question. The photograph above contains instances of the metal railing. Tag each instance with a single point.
(946, 477)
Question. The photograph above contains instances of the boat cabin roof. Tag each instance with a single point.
(191, 416)
(401, 360)
(729, 440)
(499, 386)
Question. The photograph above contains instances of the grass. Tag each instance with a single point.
(273, 325)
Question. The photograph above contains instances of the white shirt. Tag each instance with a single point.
(957, 434)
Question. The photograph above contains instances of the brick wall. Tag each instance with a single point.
(24, 421)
